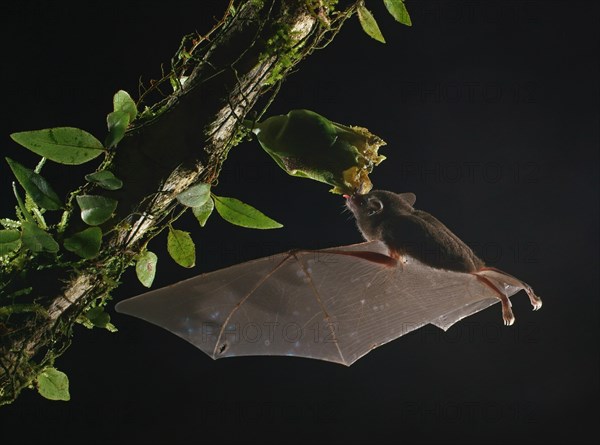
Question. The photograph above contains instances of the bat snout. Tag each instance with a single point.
(354, 202)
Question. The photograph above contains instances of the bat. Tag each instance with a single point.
(391, 218)
(340, 303)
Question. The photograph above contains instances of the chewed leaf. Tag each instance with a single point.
(36, 239)
(53, 384)
(96, 209)
(195, 196)
(145, 267)
(10, 240)
(204, 211)
(65, 145)
(105, 179)
(369, 24)
(181, 247)
(86, 243)
(398, 10)
(36, 186)
(122, 101)
(236, 212)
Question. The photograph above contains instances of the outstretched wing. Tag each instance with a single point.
(317, 304)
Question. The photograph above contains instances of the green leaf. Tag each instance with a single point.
(398, 10)
(86, 243)
(195, 196)
(65, 145)
(124, 112)
(105, 179)
(96, 209)
(122, 101)
(368, 23)
(36, 186)
(204, 211)
(10, 240)
(98, 317)
(236, 212)
(53, 384)
(117, 123)
(37, 240)
(145, 267)
(181, 247)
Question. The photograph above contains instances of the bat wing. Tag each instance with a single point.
(316, 304)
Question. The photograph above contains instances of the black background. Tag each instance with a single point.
(490, 111)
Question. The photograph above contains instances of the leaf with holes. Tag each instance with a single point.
(181, 247)
(10, 240)
(86, 243)
(145, 267)
(36, 186)
(96, 209)
(195, 196)
(105, 179)
(36, 239)
(65, 145)
(204, 211)
(398, 10)
(369, 24)
(53, 384)
(236, 212)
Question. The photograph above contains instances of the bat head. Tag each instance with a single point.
(374, 208)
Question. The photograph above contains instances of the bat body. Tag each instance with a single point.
(391, 218)
(335, 304)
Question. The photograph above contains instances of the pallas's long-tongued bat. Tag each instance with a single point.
(336, 304)
(391, 218)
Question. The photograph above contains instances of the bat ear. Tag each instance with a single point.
(410, 198)
(374, 205)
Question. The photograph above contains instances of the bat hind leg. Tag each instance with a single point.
(536, 301)
(507, 313)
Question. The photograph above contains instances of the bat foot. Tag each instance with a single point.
(509, 319)
(507, 313)
(536, 301)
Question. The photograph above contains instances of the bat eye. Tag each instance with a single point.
(375, 206)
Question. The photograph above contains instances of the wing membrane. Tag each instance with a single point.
(315, 304)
